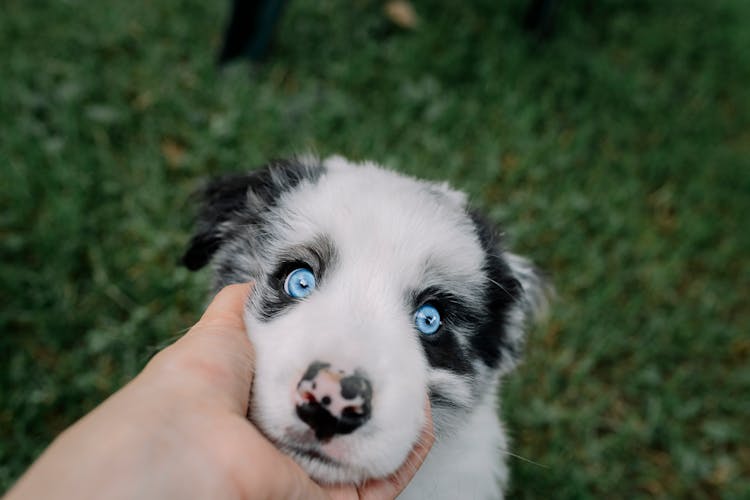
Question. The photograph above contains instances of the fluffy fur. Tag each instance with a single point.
(380, 245)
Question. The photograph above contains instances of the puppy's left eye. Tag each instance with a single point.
(299, 283)
(427, 319)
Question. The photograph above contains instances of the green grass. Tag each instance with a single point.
(617, 155)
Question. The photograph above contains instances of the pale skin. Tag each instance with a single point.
(178, 430)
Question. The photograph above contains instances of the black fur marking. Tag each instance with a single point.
(272, 303)
(241, 199)
(453, 310)
(222, 199)
(502, 293)
(443, 351)
(279, 177)
(442, 348)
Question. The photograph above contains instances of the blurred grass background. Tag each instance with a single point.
(616, 154)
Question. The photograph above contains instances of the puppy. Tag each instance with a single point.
(373, 290)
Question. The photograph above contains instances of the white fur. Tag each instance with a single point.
(465, 465)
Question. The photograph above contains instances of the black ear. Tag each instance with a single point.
(221, 200)
(240, 200)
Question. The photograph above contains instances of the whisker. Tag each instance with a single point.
(501, 287)
(526, 459)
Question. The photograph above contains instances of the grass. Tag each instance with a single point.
(616, 154)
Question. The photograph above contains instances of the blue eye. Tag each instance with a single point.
(300, 283)
(427, 319)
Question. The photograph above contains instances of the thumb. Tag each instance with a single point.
(227, 308)
(216, 354)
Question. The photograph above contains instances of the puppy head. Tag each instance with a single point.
(373, 291)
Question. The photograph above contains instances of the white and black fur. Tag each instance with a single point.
(380, 245)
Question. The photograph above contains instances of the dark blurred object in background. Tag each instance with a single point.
(252, 22)
(250, 29)
(540, 17)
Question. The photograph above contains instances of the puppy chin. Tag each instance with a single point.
(348, 459)
(322, 465)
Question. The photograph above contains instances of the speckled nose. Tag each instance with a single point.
(333, 401)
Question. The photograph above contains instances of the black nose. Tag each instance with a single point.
(333, 401)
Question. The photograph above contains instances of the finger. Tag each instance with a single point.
(228, 307)
(215, 359)
(342, 492)
(223, 321)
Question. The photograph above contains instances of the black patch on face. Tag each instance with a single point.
(502, 292)
(318, 256)
(442, 348)
(240, 200)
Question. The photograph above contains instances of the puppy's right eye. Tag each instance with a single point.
(427, 319)
(299, 283)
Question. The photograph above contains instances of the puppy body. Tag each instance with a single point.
(378, 249)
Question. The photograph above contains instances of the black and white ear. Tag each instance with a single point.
(517, 294)
(240, 200)
(536, 289)
(531, 304)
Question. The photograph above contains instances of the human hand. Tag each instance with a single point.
(179, 430)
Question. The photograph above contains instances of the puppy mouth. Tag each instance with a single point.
(311, 454)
